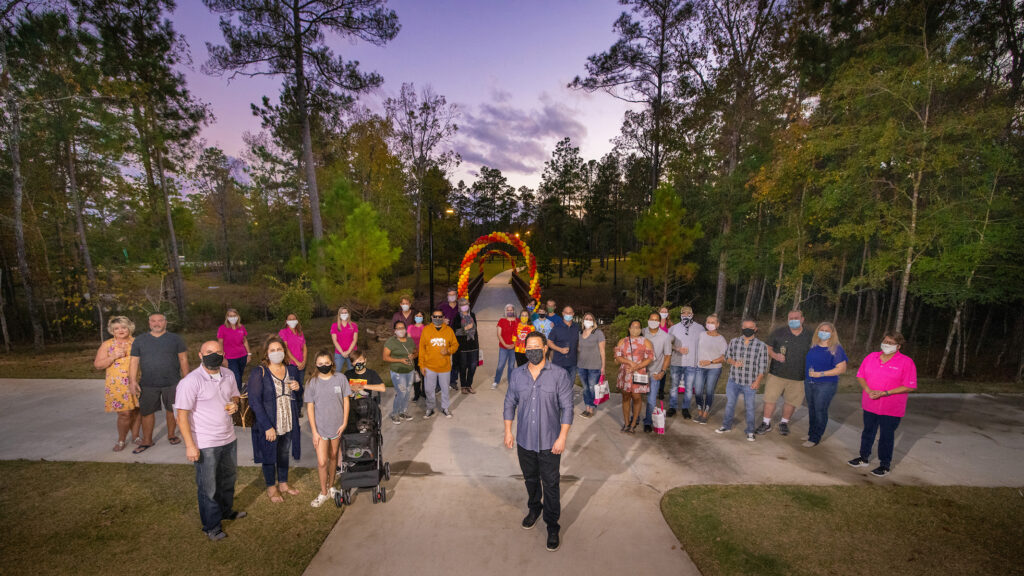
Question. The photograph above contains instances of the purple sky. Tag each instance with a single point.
(505, 64)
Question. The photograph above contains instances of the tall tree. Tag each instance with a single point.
(288, 38)
(665, 242)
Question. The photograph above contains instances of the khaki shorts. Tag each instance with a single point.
(792, 391)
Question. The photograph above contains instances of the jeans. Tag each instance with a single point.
(341, 363)
(732, 393)
(687, 376)
(540, 472)
(652, 401)
(432, 379)
(467, 366)
(589, 378)
(506, 357)
(819, 396)
(571, 371)
(704, 387)
(237, 367)
(888, 425)
(216, 471)
(280, 468)
(403, 385)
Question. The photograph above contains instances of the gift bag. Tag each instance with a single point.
(243, 416)
(602, 392)
(682, 386)
(658, 418)
(480, 362)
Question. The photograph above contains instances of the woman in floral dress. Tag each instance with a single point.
(633, 354)
(114, 357)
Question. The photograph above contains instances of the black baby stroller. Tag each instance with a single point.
(362, 465)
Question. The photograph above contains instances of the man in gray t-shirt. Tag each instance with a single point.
(327, 402)
(163, 359)
(685, 336)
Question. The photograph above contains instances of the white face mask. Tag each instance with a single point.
(233, 319)
(588, 324)
(292, 323)
(343, 317)
(663, 314)
(276, 357)
(405, 307)
(653, 325)
(889, 349)
(400, 333)
(711, 327)
(451, 298)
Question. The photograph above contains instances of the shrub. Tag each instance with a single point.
(620, 325)
(292, 298)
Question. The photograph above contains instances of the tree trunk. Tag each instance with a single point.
(83, 244)
(984, 330)
(302, 224)
(760, 299)
(860, 294)
(19, 195)
(179, 281)
(909, 261)
(307, 139)
(749, 297)
(722, 269)
(892, 305)
(873, 306)
(778, 289)
(3, 316)
(223, 214)
(839, 291)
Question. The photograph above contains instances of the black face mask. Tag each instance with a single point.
(437, 321)
(323, 369)
(360, 366)
(535, 355)
(213, 360)
(748, 332)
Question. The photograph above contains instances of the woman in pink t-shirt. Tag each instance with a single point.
(344, 334)
(295, 349)
(886, 378)
(232, 337)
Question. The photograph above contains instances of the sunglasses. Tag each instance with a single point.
(437, 317)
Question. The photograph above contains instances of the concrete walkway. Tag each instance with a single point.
(456, 496)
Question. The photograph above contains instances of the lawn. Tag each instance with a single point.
(849, 530)
(92, 518)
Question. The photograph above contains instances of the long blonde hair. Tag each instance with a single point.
(229, 324)
(833, 342)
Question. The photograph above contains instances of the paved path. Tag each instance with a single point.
(456, 496)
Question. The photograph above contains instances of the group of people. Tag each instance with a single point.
(540, 355)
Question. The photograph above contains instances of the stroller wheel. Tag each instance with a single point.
(346, 497)
(387, 470)
(376, 495)
(383, 494)
(338, 499)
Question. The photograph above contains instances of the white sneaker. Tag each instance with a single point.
(319, 500)
(494, 386)
(750, 437)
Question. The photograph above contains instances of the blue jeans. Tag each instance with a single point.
(506, 356)
(732, 393)
(571, 371)
(686, 375)
(403, 385)
(652, 401)
(819, 397)
(216, 471)
(278, 472)
(237, 367)
(341, 363)
(888, 425)
(704, 387)
(589, 379)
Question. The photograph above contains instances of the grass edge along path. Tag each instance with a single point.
(848, 530)
(101, 518)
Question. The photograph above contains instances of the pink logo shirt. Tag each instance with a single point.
(898, 371)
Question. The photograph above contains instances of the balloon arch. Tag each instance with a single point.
(492, 254)
(493, 238)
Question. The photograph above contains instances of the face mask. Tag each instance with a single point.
(213, 360)
(323, 369)
(823, 335)
(535, 355)
(419, 319)
(588, 324)
(663, 315)
(794, 324)
(524, 319)
(437, 321)
(451, 299)
(464, 308)
(711, 327)
(530, 307)
(233, 319)
(343, 317)
(653, 324)
(567, 317)
(889, 349)
(276, 357)
(541, 315)
(400, 333)
(405, 307)
(510, 314)
(292, 323)
(748, 332)
(360, 365)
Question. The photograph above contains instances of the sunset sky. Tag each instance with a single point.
(505, 64)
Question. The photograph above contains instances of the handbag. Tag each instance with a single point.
(602, 392)
(638, 378)
(658, 418)
(243, 416)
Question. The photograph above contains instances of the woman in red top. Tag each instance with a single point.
(506, 344)
(232, 337)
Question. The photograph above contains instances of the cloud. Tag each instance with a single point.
(512, 139)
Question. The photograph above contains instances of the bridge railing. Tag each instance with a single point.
(474, 288)
(521, 288)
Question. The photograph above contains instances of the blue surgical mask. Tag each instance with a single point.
(567, 317)
(794, 324)
(824, 335)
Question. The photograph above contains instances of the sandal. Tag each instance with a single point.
(141, 448)
(173, 440)
(275, 495)
(138, 441)
(119, 446)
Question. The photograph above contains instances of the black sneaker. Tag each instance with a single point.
(882, 470)
(531, 519)
(552, 541)
(784, 428)
(671, 412)
(763, 429)
(648, 428)
(447, 413)
(686, 414)
(858, 462)
(215, 535)
(428, 414)
(235, 515)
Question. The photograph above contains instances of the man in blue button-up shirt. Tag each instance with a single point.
(540, 397)
(564, 341)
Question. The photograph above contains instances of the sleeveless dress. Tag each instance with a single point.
(117, 396)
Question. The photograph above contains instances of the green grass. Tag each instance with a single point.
(848, 530)
(92, 518)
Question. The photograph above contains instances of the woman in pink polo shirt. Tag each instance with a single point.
(886, 378)
(295, 349)
(232, 336)
(344, 335)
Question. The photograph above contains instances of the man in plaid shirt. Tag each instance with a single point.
(748, 357)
